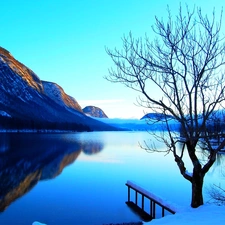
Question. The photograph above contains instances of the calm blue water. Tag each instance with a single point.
(67, 179)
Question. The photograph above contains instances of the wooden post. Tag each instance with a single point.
(143, 199)
(136, 197)
(153, 216)
(163, 211)
(128, 193)
(151, 207)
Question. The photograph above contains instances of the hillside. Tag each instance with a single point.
(27, 102)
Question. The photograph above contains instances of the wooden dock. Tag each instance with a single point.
(155, 203)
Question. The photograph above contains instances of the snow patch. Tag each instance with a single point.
(189, 173)
(38, 223)
(3, 113)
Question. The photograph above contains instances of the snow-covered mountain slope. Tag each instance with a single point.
(24, 96)
(156, 116)
(57, 94)
(94, 111)
(25, 73)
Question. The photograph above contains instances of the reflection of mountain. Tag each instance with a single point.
(4, 142)
(57, 165)
(12, 189)
(92, 147)
(30, 158)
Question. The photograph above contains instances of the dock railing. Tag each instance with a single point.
(153, 200)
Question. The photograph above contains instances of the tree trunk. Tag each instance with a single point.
(197, 185)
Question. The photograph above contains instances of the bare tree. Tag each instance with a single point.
(185, 62)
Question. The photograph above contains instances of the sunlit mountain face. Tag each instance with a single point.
(26, 102)
(57, 94)
(21, 70)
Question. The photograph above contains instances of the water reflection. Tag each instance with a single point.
(94, 184)
(4, 142)
(203, 154)
(26, 159)
(92, 147)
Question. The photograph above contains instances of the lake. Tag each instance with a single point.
(79, 178)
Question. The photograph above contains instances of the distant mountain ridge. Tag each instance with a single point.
(157, 116)
(24, 97)
(94, 111)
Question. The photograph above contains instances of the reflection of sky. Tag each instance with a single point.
(101, 158)
(92, 190)
(156, 171)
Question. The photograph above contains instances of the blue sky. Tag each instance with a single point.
(64, 41)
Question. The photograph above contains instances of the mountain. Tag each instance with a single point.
(94, 111)
(57, 94)
(156, 116)
(30, 103)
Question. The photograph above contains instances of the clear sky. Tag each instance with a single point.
(64, 41)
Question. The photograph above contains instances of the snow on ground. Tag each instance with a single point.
(207, 214)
